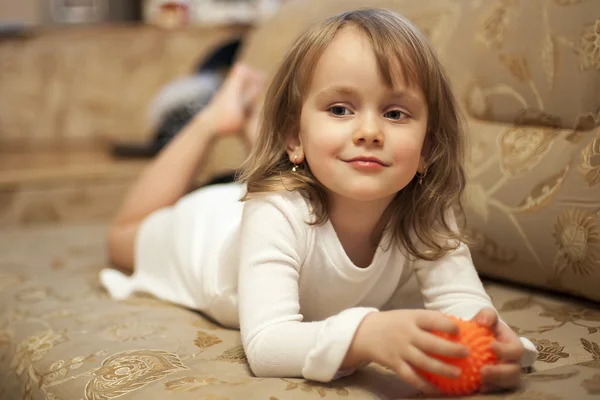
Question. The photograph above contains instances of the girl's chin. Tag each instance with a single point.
(366, 196)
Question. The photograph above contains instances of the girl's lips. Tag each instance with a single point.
(367, 159)
(366, 165)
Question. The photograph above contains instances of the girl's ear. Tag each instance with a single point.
(425, 151)
(295, 150)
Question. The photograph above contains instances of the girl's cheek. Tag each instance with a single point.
(407, 151)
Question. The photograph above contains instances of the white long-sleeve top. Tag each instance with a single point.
(290, 287)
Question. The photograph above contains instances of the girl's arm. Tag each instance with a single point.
(451, 285)
(276, 340)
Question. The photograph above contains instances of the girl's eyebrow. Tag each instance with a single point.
(396, 95)
(407, 95)
(336, 90)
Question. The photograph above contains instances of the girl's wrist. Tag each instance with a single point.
(359, 352)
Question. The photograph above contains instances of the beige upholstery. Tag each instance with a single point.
(536, 62)
(62, 337)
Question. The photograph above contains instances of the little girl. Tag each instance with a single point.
(342, 214)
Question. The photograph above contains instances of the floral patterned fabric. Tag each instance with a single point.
(62, 337)
(533, 208)
(538, 62)
(533, 205)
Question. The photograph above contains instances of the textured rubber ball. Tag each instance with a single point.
(478, 339)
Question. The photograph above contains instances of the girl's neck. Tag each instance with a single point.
(359, 226)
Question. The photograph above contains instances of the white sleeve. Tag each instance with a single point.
(276, 341)
(451, 285)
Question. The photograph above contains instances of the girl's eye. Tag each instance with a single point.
(396, 115)
(340, 111)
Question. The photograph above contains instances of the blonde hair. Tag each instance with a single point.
(418, 213)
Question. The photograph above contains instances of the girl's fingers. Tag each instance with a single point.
(430, 364)
(436, 321)
(512, 351)
(502, 376)
(489, 388)
(405, 372)
(436, 345)
(486, 316)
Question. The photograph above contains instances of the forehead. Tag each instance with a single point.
(351, 58)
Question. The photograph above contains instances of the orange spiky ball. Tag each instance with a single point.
(478, 339)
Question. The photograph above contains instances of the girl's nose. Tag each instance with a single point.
(368, 133)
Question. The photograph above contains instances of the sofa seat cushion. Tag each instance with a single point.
(62, 337)
(564, 330)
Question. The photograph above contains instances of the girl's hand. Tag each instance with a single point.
(507, 373)
(401, 340)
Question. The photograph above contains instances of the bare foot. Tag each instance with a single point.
(231, 104)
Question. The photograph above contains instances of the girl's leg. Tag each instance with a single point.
(168, 177)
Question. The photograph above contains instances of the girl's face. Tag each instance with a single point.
(362, 140)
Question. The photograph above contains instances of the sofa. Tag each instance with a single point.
(527, 75)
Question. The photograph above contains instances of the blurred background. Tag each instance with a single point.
(162, 12)
(90, 90)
